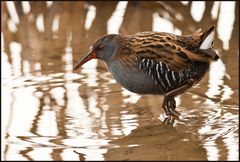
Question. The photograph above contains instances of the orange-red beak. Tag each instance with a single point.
(88, 57)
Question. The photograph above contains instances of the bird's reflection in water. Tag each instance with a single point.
(157, 142)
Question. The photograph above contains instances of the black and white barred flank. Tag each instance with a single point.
(168, 79)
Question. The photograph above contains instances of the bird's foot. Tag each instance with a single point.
(169, 120)
(169, 106)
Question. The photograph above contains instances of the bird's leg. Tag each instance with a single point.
(169, 103)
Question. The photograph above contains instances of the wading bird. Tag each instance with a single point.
(156, 62)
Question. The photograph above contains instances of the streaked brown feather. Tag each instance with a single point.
(177, 52)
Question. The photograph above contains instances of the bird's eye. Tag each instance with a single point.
(100, 46)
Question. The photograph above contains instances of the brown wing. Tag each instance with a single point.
(165, 48)
(174, 56)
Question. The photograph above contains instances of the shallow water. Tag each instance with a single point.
(51, 113)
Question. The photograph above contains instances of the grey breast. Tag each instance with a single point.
(148, 76)
(133, 79)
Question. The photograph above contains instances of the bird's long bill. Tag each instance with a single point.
(89, 56)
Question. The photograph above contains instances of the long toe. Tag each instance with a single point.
(174, 113)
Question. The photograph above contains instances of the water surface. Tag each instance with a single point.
(51, 113)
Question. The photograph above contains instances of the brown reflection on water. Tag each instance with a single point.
(151, 142)
(51, 113)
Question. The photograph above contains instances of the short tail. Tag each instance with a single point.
(205, 52)
(206, 44)
(207, 38)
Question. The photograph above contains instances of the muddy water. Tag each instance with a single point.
(51, 113)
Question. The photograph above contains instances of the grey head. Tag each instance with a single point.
(105, 48)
